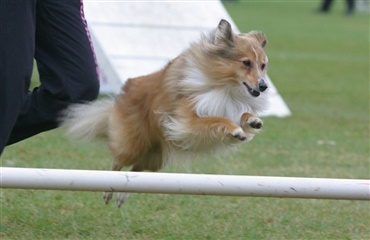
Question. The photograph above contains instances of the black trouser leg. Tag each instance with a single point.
(350, 6)
(326, 5)
(67, 70)
(17, 46)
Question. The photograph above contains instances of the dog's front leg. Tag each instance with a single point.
(219, 128)
(199, 133)
(251, 125)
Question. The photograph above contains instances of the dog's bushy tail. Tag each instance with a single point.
(87, 121)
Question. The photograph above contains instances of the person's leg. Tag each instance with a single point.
(325, 7)
(350, 7)
(66, 65)
(17, 46)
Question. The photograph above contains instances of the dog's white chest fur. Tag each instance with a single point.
(229, 102)
(221, 103)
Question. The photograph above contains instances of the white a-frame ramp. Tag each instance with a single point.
(135, 38)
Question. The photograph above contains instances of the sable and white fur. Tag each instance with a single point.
(203, 100)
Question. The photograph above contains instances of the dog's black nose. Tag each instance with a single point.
(262, 85)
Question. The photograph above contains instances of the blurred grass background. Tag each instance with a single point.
(319, 64)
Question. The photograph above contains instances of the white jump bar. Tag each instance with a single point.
(174, 183)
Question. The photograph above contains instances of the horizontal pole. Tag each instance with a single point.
(175, 183)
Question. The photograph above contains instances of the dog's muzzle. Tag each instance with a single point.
(262, 86)
(253, 92)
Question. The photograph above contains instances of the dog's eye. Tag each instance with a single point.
(263, 66)
(247, 63)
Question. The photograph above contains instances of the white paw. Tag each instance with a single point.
(238, 135)
(122, 198)
(254, 122)
(107, 197)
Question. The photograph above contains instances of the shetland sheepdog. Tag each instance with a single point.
(204, 100)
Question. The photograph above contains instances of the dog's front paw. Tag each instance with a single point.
(237, 136)
(251, 125)
(254, 122)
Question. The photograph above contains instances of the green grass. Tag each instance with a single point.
(320, 65)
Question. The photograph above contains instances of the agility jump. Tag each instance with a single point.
(193, 184)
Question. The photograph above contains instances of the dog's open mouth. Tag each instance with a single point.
(254, 93)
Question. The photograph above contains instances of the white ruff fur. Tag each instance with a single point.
(229, 102)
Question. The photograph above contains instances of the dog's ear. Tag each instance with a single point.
(259, 36)
(224, 33)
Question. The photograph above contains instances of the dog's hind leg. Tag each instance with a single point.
(123, 196)
(116, 166)
(119, 161)
(152, 161)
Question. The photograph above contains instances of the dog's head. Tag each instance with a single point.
(234, 58)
